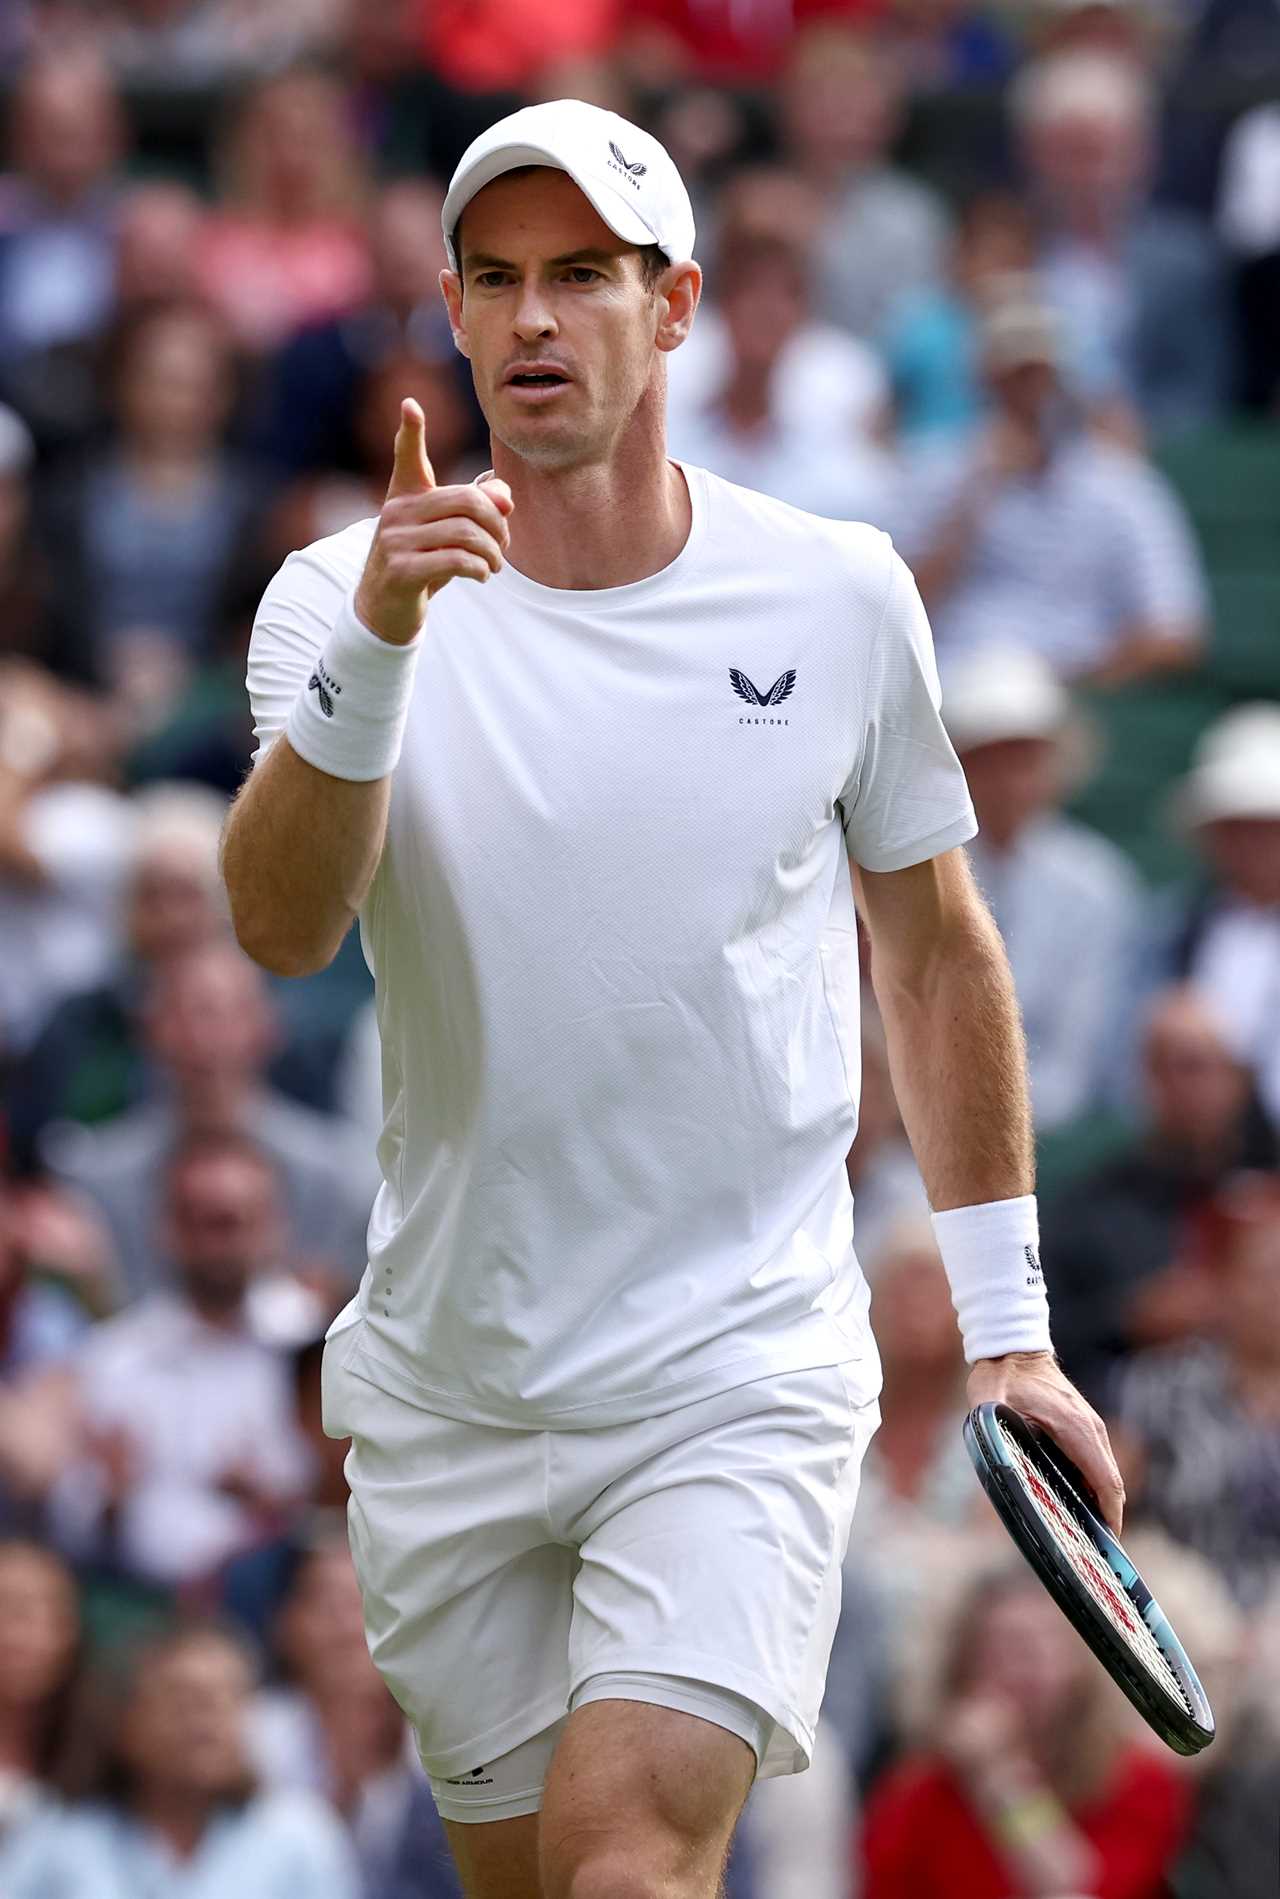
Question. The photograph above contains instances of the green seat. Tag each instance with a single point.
(1068, 1154)
(1229, 481)
(1228, 478)
(1244, 650)
(1146, 734)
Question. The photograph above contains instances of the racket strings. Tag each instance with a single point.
(1094, 1572)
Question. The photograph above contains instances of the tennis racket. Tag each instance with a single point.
(1052, 1516)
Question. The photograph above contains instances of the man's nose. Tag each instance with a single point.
(534, 315)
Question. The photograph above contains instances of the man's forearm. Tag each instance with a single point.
(958, 1061)
(298, 856)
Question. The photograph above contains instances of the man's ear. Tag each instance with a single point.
(451, 291)
(677, 292)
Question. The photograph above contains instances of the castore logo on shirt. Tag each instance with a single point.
(781, 689)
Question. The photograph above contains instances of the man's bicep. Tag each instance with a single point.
(293, 621)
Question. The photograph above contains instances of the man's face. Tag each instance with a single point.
(548, 291)
(1088, 159)
(1245, 853)
(1026, 392)
(1196, 1090)
(762, 313)
(208, 1019)
(1011, 781)
(223, 1226)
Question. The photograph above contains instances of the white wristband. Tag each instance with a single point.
(349, 718)
(992, 1256)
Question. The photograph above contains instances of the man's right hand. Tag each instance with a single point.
(427, 536)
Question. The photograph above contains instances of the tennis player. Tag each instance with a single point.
(587, 747)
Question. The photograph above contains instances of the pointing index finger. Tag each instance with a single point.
(411, 471)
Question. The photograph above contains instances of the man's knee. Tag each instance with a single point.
(609, 1878)
(613, 1874)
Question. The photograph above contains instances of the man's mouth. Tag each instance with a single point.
(545, 378)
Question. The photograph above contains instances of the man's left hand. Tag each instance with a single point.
(1034, 1384)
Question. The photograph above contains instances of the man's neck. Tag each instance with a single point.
(603, 525)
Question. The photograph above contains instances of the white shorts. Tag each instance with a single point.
(510, 1575)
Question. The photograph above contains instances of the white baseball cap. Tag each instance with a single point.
(628, 176)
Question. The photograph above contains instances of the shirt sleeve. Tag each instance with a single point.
(292, 624)
(906, 799)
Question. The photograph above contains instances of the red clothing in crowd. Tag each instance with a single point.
(743, 41)
(503, 45)
(269, 280)
(921, 1838)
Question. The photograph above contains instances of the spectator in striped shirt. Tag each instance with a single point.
(1033, 532)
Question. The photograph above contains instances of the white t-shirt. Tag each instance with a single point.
(613, 939)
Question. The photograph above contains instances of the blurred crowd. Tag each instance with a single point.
(1001, 279)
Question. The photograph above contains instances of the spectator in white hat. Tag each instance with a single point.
(1067, 901)
(1227, 942)
(1034, 532)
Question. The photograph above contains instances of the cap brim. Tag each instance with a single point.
(622, 218)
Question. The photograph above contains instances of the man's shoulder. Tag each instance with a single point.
(756, 531)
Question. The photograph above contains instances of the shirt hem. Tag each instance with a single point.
(811, 1348)
(959, 831)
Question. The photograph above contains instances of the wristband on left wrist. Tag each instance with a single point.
(992, 1257)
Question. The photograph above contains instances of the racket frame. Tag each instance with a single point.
(1185, 1729)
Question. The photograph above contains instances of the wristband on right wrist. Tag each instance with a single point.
(992, 1256)
(349, 718)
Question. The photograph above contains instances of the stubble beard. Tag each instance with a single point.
(549, 446)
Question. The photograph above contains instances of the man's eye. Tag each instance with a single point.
(491, 279)
(583, 274)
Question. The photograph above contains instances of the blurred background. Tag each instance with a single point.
(1003, 280)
